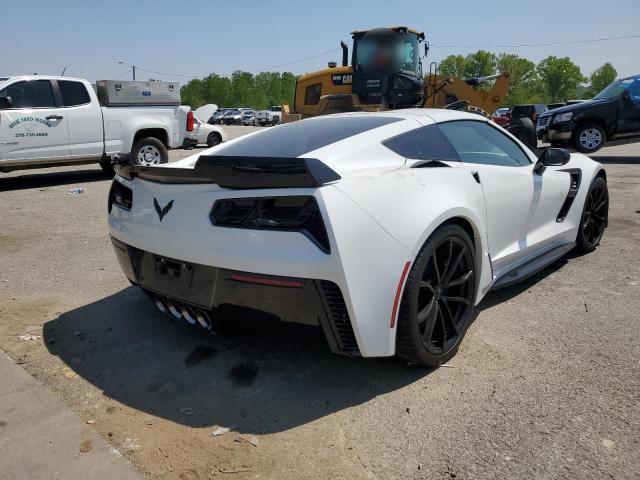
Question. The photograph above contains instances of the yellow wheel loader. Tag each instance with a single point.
(386, 73)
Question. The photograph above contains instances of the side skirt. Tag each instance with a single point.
(531, 267)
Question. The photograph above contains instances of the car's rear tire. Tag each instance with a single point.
(213, 139)
(438, 299)
(149, 151)
(589, 138)
(595, 216)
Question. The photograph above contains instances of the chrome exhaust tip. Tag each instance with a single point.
(160, 304)
(204, 320)
(174, 311)
(188, 315)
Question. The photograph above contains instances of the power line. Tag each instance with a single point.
(296, 61)
(549, 44)
(121, 75)
(167, 74)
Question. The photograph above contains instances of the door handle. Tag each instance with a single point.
(54, 117)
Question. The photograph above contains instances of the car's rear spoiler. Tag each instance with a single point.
(237, 172)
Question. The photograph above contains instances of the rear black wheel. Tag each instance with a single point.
(213, 139)
(595, 216)
(438, 298)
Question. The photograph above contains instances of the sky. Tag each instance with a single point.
(195, 38)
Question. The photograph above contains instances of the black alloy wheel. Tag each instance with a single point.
(438, 299)
(595, 216)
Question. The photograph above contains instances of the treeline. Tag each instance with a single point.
(242, 89)
(552, 80)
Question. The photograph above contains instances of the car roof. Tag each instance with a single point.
(436, 115)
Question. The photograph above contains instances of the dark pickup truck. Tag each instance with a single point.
(611, 115)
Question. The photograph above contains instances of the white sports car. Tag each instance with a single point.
(386, 229)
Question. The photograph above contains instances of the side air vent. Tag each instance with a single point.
(575, 178)
(339, 317)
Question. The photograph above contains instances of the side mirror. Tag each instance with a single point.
(5, 102)
(551, 157)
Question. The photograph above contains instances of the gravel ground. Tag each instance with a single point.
(545, 385)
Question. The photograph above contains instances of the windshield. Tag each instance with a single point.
(616, 88)
(247, 113)
(398, 53)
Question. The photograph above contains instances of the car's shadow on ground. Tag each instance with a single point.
(259, 377)
(51, 179)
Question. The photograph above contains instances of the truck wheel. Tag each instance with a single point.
(589, 138)
(149, 151)
(107, 168)
(274, 121)
(213, 139)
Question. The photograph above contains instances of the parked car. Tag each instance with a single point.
(247, 117)
(502, 117)
(553, 106)
(204, 133)
(232, 117)
(268, 117)
(530, 111)
(47, 120)
(254, 224)
(216, 118)
(614, 113)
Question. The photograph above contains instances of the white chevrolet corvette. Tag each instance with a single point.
(386, 229)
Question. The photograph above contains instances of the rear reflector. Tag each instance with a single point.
(273, 282)
(396, 300)
(190, 122)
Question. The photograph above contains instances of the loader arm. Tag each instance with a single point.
(444, 90)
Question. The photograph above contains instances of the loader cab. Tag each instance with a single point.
(387, 67)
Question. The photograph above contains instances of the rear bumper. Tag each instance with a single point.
(194, 287)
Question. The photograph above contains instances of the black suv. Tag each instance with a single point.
(612, 114)
(531, 111)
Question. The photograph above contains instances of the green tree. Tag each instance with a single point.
(601, 78)
(453, 66)
(524, 81)
(480, 64)
(560, 78)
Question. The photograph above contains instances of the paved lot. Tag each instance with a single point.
(545, 385)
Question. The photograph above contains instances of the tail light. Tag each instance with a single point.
(120, 196)
(535, 117)
(292, 214)
(190, 122)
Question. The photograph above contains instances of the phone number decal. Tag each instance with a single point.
(32, 134)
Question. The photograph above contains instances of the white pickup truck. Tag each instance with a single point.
(48, 121)
(273, 116)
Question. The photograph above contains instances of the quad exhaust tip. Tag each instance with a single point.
(160, 304)
(190, 314)
(204, 320)
(174, 311)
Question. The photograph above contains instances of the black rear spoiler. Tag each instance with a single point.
(238, 172)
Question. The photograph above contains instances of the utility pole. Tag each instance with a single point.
(133, 69)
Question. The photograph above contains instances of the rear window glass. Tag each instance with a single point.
(425, 143)
(73, 93)
(297, 138)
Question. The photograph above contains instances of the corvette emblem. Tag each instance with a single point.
(162, 211)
